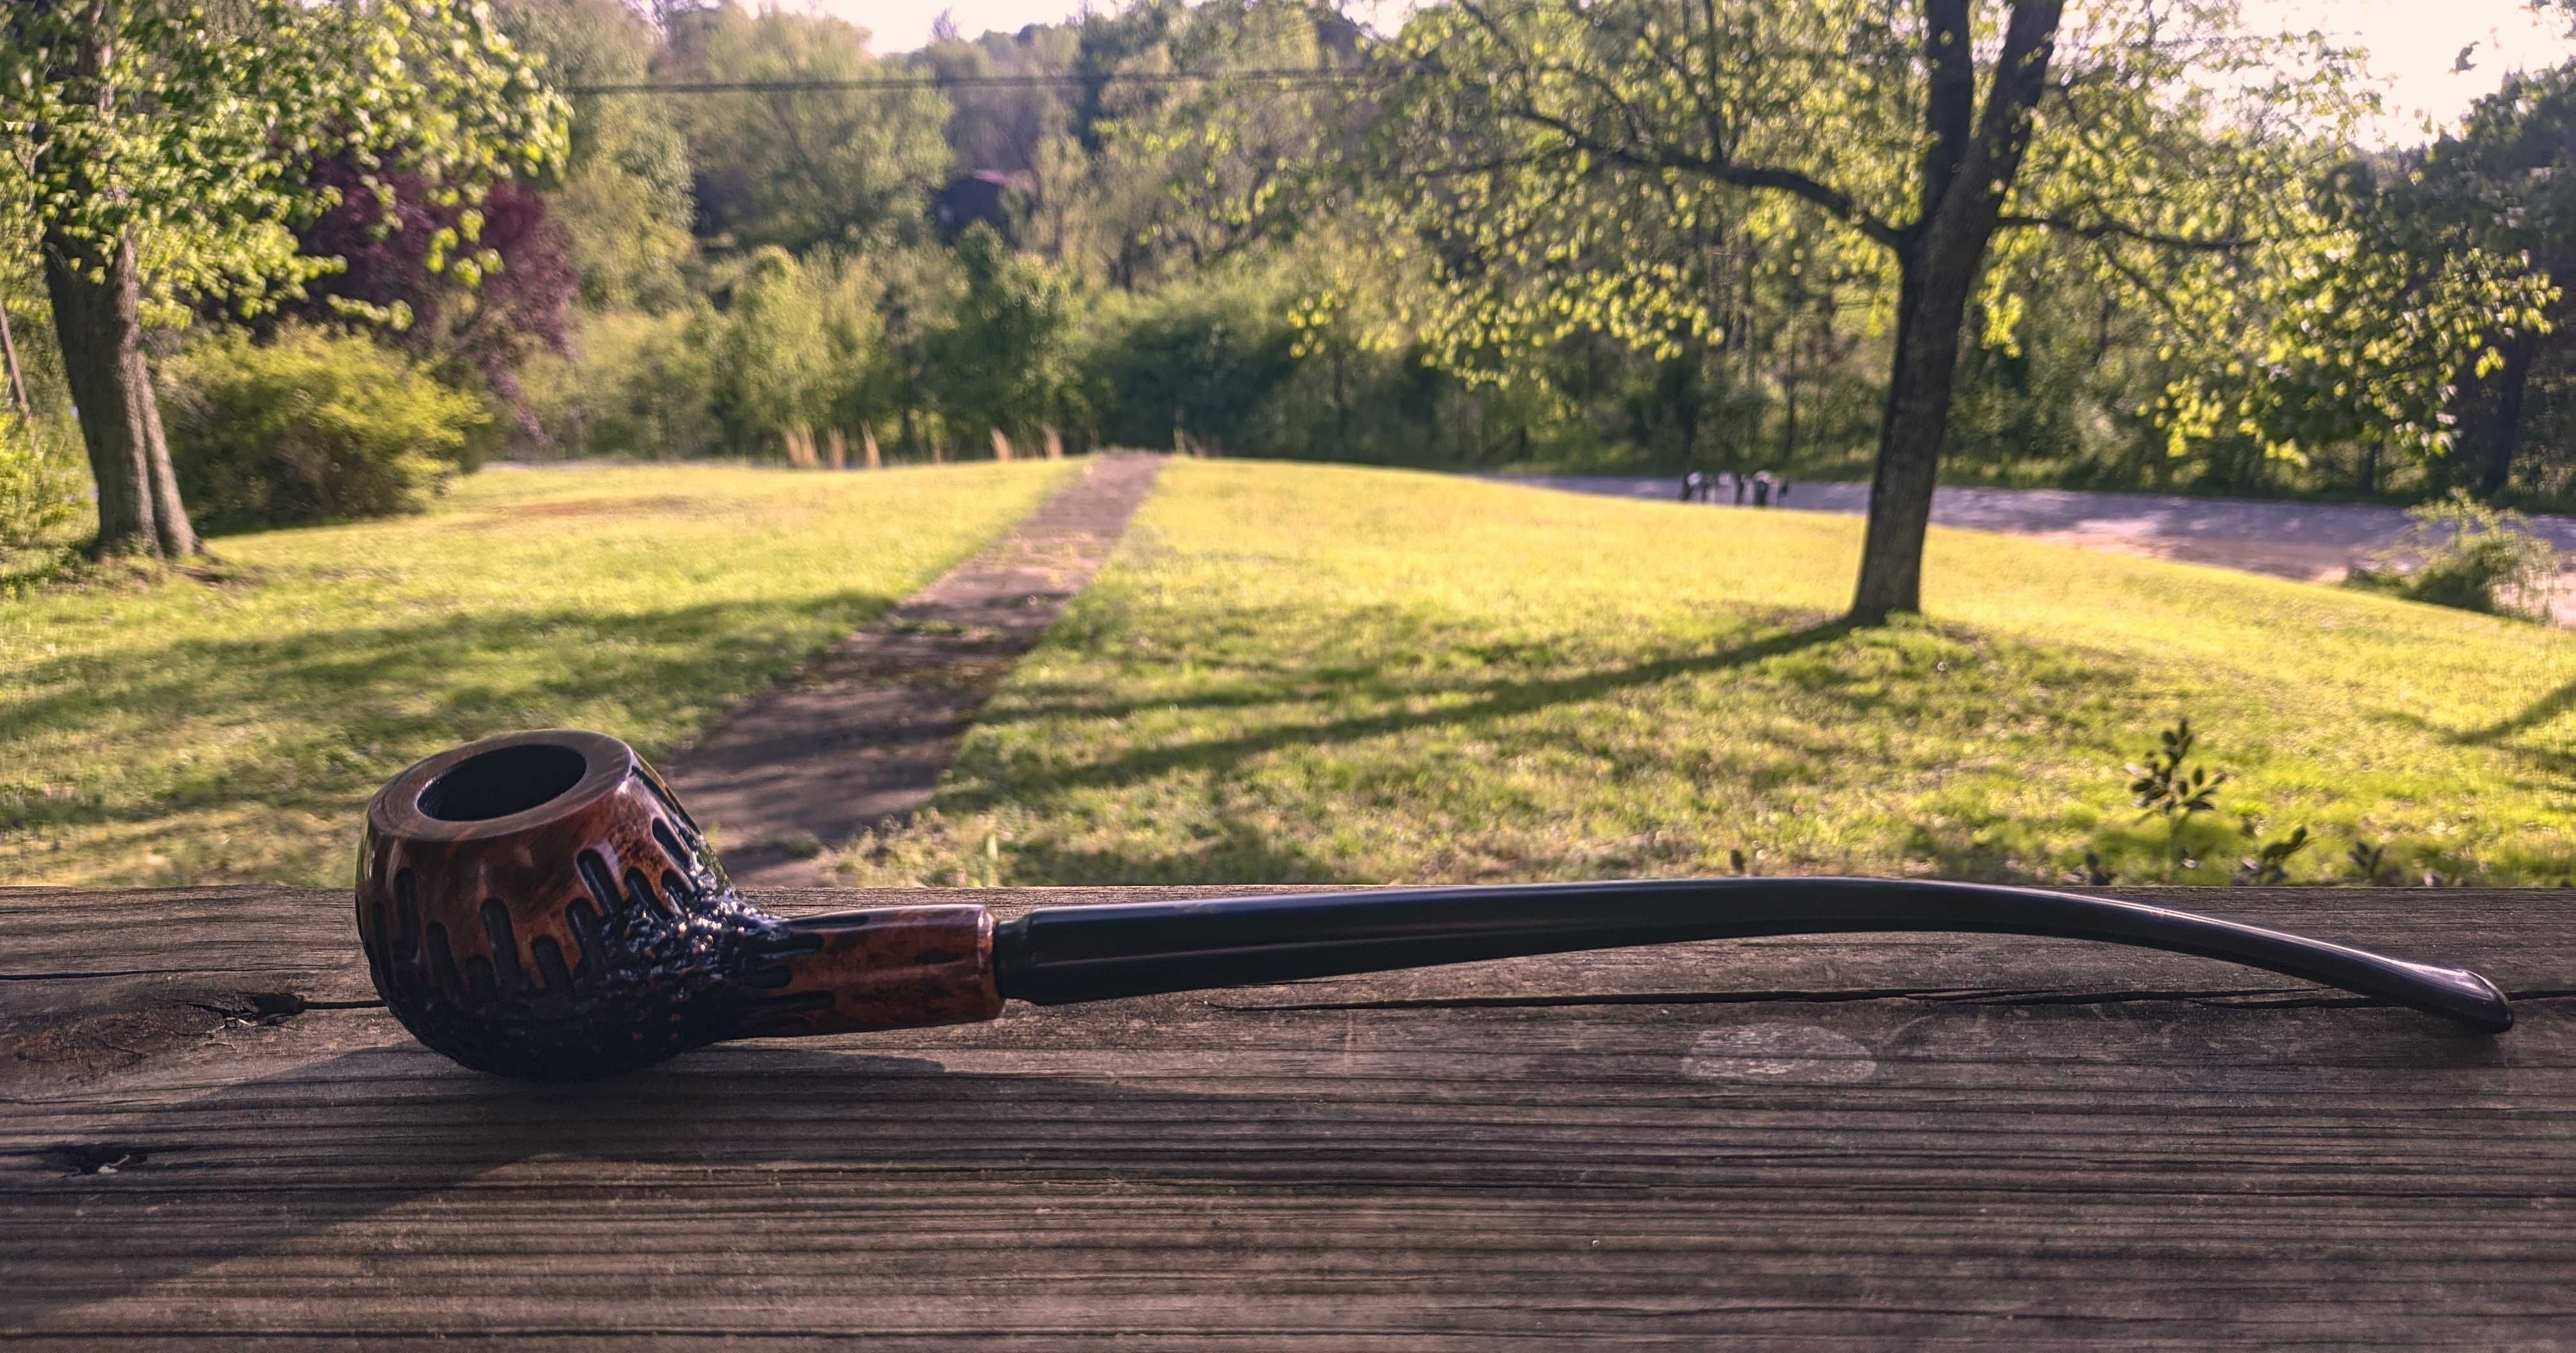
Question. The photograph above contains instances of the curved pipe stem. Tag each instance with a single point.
(1058, 955)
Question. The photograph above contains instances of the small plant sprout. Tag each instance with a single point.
(2165, 787)
(2270, 866)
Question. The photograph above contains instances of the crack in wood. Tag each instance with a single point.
(82, 976)
(95, 1157)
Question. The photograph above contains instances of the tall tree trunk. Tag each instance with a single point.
(97, 291)
(1932, 303)
(1341, 404)
(98, 324)
(2504, 434)
(169, 515)
(1969, 163)
(1789, 406)
(1683, 388)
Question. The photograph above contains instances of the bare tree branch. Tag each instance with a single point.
(2105, 228)
(1638, 150)
(1949, 97)
(2003, 127)
(1835, 201)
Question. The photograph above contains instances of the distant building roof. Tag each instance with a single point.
(979, 195)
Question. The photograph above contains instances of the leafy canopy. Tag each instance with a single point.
(1565, 139)
(810, 166)
(187, 127)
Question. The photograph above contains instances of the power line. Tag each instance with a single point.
(939, 82)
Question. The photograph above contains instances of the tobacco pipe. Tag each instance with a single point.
(540, 905)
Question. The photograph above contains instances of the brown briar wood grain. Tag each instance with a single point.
(1917, 1140)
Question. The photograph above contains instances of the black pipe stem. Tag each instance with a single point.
(1060, 955)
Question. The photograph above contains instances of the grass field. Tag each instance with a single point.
(1298, 673)
(202, 732)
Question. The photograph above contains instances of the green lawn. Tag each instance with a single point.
(212, 732)
(1307, 673)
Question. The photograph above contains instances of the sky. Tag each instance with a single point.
(2413, 43)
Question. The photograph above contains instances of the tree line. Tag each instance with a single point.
(2126, 243)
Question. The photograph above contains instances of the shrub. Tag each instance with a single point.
(38, 494)
(313, 426)
(1202, 359)
(1001, 359)
(640, 385)
(2468, 556)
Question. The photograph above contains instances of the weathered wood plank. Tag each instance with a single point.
(1931, 1140)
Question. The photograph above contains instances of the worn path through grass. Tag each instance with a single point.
(860, 737)
(201, 733)
(1295, 673)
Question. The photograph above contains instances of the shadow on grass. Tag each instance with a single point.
(2538, 712)
(2552, 767)
(1411, 712)
(1238, 853)
(348, 706)
(1500, 699)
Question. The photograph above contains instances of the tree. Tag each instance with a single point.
(997, 126)
(1922, 133)
(777, 373)
(624, 204)
(2505, 186)
(166, 143)
(1201, 358)
(801, 349)
(914, 293)
(805, 167)
(2361, 337)
(480, 316)
(1216, 167)
(1001, 359)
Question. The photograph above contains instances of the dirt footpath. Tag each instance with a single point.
(862, 735)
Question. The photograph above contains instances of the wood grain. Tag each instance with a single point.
(1918, 1140)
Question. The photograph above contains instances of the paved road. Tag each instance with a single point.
(2316, 542)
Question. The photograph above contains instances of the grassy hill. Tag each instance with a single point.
(1300, 673)
(232, 730)
(1308, 673)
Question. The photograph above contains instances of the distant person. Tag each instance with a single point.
(1739, 490)
(1694, 485)
(1762, 482)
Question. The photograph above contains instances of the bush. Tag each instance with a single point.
(2469, 556)
(1204, 358)
(38, 494)
(640, 385)
(313, 426)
